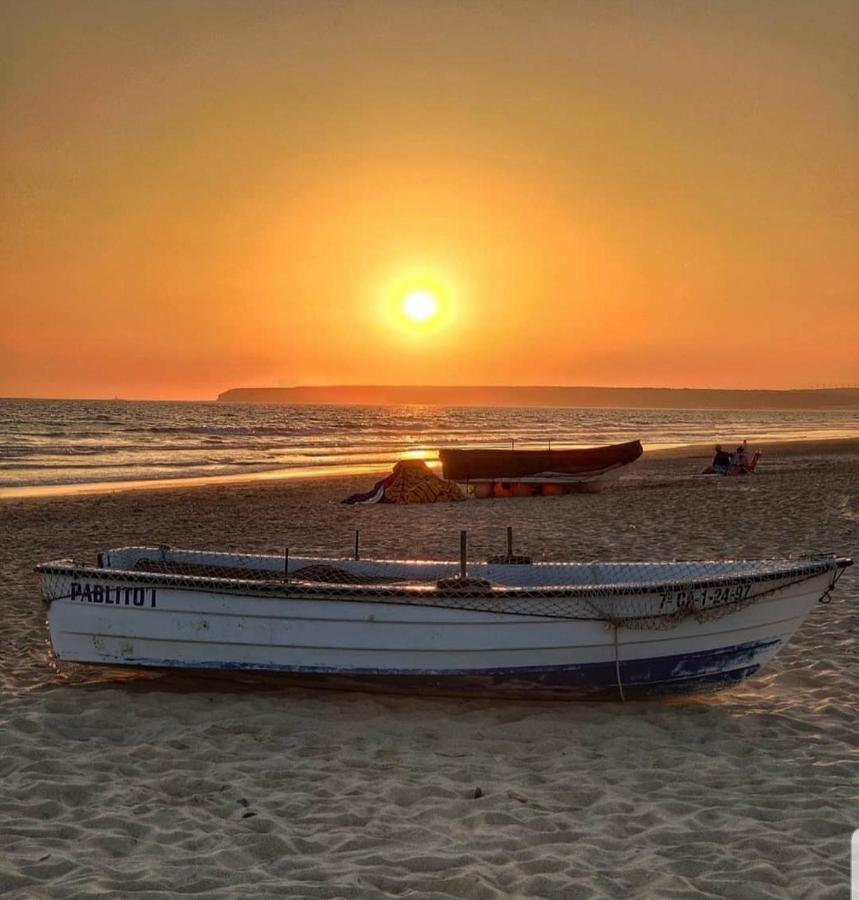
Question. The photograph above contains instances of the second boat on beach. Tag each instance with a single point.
(525, 472)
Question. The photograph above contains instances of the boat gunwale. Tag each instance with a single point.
(294, 588)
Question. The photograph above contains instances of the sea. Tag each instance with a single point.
(45, 443)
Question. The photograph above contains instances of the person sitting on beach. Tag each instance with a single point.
(721, 461)
(741, 457)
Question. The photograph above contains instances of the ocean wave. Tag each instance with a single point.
(76, 441)
(225, 430)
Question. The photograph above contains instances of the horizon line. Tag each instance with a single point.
(535, 387)
(454, 387)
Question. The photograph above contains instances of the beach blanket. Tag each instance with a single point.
(412, 481)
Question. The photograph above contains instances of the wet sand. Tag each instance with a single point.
(157, 786)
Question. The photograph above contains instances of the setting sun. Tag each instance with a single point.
(420, 306)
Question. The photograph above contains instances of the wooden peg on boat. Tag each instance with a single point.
(462, 584)
(357, 544)
(509, 559)
(286, 564)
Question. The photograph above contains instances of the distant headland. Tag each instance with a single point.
(629, 398)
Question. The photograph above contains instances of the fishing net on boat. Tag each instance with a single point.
(640, 596)
(320, 574)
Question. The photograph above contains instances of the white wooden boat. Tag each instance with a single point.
(537, 630)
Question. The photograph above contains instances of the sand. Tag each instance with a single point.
(129, 785)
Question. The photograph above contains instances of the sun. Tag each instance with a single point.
(420, 306)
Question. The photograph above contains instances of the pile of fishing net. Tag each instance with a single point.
(412, 481)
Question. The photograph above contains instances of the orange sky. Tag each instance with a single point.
(199, 196)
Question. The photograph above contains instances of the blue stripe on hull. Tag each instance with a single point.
(706, 670)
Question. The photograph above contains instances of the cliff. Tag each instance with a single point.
(629, 398)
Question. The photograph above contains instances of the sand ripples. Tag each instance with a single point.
(135, 785)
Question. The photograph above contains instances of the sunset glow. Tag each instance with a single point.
(222, 195)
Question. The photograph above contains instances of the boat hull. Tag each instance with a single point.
(380, 644)
(669, 676)
(536, 466)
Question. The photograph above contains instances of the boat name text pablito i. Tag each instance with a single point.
(111, 595)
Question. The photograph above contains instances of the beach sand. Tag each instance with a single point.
(133, 785)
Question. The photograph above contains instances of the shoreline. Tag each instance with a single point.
(48, 491)
(789, 448)
(792, 447)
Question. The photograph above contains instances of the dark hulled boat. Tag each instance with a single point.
(536, 466)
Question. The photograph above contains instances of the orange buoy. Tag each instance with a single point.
(524, 490)
(483, 490)
(503, 489)
(553, 490)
